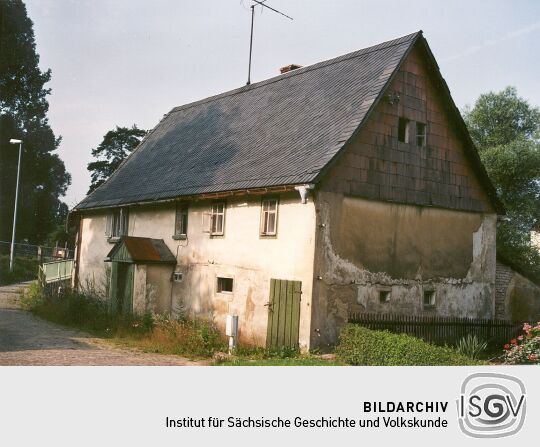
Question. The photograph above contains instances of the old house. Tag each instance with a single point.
(350, 185)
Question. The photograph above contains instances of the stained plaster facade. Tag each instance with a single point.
(241, 253)
(396, 217)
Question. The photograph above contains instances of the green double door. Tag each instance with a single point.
(283, 313)
(121, 288)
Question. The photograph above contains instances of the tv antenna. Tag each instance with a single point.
(263, 4)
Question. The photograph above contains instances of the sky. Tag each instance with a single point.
(125, 62)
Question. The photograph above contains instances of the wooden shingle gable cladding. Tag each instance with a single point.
(375, 165)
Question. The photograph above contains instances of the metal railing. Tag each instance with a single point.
(54, 271)
(40, 252)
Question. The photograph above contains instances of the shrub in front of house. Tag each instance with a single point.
(183, 336)
(524, 349)
(361, 346)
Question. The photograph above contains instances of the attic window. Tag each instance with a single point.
(420, 134)
(403, 130)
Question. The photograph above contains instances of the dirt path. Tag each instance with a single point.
(28, 340)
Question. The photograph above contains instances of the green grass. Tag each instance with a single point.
(24, 269)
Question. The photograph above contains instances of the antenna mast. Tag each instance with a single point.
(261, 3)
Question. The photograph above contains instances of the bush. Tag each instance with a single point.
(192, 337)
(524, 349)
(24, 269)
(361, 346)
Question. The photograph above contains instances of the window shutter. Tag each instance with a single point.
(108, 225)
(206, 222)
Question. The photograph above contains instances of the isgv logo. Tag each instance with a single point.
(491, 405)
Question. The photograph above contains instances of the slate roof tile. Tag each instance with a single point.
(281, 131)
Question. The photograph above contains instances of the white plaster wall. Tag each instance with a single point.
(94, 248)
(241, 253)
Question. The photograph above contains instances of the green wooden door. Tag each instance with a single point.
(121, 288)
(113, 287)
(283, 313)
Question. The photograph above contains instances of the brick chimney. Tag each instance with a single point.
(289, 67)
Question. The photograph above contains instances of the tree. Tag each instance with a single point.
(117, 144)
(501, 118)
(506, 130)
(23, 115)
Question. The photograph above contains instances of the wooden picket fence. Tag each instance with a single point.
(441, 330)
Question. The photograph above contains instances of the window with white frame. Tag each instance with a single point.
(217, 219)
(117, 223)
(269, 210)
(181, 221)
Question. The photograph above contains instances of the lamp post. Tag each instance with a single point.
(19, 142)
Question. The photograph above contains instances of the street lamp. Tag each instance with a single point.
(19, 142)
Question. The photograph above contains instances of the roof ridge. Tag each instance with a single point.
(315, 66)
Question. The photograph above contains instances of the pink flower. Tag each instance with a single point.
(520, 337)
(513, 341)
(506, 346)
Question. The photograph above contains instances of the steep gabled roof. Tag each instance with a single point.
(281, 131)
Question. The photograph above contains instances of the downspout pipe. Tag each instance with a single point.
(304, 191)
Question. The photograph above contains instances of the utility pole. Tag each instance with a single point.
(12, 252)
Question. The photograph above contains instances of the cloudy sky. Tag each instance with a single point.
(124, 62)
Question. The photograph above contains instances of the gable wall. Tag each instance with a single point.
(377, 166)
(401, 218)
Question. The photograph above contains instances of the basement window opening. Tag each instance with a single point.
(224, 285)
(384, 296)
(403, 130)
(429, 299)
(420, 134)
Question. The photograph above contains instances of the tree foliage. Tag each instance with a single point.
(23, 115)
(506, 130)
(117, 144)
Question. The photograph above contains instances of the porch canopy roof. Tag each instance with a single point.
(141, 250)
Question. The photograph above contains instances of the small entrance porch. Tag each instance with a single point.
(141, 274)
